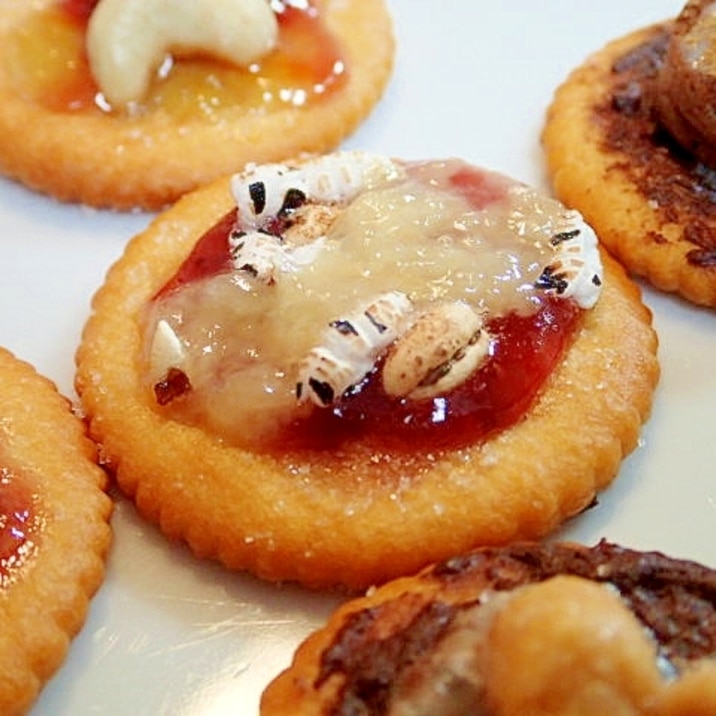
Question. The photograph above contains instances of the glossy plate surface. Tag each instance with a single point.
(171, 636)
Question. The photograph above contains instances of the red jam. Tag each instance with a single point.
(80, 9)
(18, 524)
(209, 256)
(50, 66)
(479, 188)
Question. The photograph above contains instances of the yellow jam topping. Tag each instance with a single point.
(47, 64)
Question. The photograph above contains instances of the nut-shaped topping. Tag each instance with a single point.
(593, 636)
(687, 99)
(127, 40)
(166, 351)
(438, 353)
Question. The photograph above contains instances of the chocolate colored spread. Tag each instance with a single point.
(674, 599)
(371, 665)
(680, 187)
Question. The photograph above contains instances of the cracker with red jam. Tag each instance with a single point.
(630, 142)
(340, 369)
(200, 113)
(54, 531)
(523, 629)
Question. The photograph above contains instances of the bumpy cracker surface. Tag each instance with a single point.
(49, 476)
(353, 517)
(528, 628)
(649, 202)
(149, 160)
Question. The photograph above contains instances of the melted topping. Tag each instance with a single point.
(227, 344)
(679, 187)
(20, 524)
(47, 64)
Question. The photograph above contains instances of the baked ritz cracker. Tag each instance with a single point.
(354, 516)
(46, 584)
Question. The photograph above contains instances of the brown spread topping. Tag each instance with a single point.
(675, 599)
(680, 186)
(372, 664)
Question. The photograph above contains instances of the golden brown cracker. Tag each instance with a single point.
(648, 201)
(149, 160)
(355, 517)
(47, 582)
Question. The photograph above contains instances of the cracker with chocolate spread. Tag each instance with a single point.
(117, 103)
(340, 369)
(630, 142)
(529, 628)
(54, 531)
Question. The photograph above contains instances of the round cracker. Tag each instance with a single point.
(355, 517)
(109, 160)
(647, 230)
(44, 599)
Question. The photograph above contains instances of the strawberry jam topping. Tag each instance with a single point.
(19, 524)
(210, 256)
(79, 9)
(50, 67)
(528, 336)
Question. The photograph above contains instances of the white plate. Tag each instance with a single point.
(169, 635)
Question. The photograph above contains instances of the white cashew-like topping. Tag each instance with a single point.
(128, 40)
(166, 351)
(438, 353)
